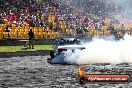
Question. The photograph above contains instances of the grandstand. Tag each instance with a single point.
(50, 18)
(23, 67)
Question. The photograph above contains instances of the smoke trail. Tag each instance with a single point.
(103, 51)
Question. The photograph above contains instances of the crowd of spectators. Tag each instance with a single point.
(37, 14)
(21, 12)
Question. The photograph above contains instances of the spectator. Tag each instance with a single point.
(8, 28)
(122, 27)
(51, 26)
(111, 27)
(32, 24)
(1, 19)
(41, 23)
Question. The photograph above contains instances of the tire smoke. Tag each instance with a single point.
(102, 51)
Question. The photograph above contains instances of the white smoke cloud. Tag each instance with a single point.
(102, 51)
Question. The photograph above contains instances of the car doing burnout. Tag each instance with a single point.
(58, 54)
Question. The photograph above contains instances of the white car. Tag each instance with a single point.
(58, 57)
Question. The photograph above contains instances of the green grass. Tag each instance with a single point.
(22, 48)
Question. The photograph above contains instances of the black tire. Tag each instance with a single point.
(52, 54)
(82, 80)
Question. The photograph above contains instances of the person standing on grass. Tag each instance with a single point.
(31, 39)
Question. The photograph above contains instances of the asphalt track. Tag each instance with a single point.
(35, 72)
